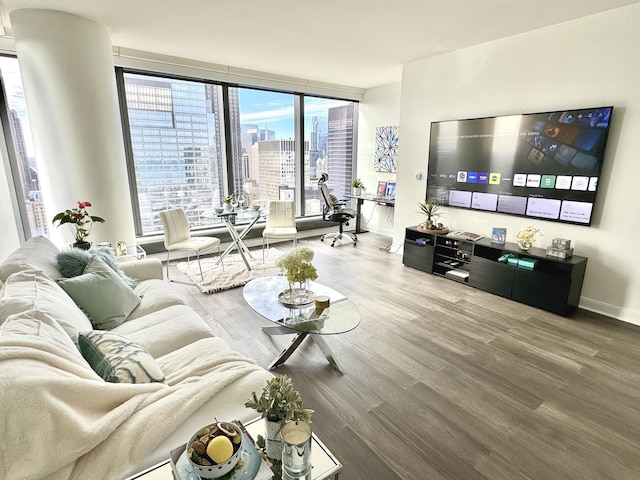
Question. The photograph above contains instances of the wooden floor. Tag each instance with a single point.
(443, 381)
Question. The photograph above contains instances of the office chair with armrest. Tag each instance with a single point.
(334, 211)
(177, 236)
(281, 223)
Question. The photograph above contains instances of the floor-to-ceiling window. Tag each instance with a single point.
(193, 141)
(330, 130)
(22, 159)
(174, 128)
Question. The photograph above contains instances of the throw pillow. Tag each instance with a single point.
(117, 359)
(102, 294)
(72, 262)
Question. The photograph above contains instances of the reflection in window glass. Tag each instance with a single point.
(25, 163)
(175, 138)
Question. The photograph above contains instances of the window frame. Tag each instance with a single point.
(226, 138)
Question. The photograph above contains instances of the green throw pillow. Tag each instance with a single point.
(72, 262)
(117, 359)
(102, 294)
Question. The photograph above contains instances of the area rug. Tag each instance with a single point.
(235, 273)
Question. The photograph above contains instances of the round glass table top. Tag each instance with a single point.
(342, 315)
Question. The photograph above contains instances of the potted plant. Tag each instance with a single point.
(79, 222)
(358, 187)
(430, 210)
(278, 403)
(226, 203)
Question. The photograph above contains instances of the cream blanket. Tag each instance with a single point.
(58, 420)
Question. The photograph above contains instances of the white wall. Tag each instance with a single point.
(588, 62)
(379, 108)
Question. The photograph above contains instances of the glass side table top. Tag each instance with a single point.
(342, 315)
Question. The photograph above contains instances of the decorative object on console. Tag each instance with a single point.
(278, 403)
(560, 248)
(430, 210)
(385, 157)
(382, 188)
(527, 236)
(80, 223)
(499, 235)
(299, 271)
(358, 187)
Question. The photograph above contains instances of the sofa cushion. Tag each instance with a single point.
(34, 290)
(37, 253)
(155, 295)
(72, 262)
(117, 359)
(166, 330)
(100, 292)
(40, 324)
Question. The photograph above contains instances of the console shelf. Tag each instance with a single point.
(553, 285)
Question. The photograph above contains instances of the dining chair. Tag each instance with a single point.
(177, 236)
(280, 224)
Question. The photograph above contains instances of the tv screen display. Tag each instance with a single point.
(539, 165)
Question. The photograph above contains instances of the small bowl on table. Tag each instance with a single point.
(215, 470)
(218, 210)
(255, 208)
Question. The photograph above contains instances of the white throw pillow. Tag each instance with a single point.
(34, 290)
(102, 294)
(37, 253)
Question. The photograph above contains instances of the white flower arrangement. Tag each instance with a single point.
(527, 236)
(298, 265)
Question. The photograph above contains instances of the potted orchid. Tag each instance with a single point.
(80, 223)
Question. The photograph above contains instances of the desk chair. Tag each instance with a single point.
(177, 236)
(281, 223)
(334, 211)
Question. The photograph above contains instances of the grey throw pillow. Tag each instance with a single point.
(117, 359)
(72, 262)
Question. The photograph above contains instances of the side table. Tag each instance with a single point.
(324, 465)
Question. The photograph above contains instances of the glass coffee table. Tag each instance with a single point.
(308, 321)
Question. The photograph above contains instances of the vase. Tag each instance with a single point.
(227, 207)
(272, 439)
(357, 191)
(297, 295)
(82, 245)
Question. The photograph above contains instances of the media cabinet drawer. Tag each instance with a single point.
(491, 276)
(418, 256)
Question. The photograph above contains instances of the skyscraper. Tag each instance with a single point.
(340, 149)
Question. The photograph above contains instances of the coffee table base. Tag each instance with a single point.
(295, 343)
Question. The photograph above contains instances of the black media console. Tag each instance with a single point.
(553, 284)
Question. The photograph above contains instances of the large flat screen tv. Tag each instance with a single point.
(539, 165)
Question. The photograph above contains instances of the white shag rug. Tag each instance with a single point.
(234, 274)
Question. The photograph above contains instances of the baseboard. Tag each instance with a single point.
(623, 314)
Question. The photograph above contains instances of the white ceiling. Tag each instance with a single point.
(360, 43)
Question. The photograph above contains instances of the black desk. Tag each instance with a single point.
(386, 201)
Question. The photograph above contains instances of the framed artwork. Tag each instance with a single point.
(382, 188)
(385, 157)
(499, 235)
(391, 189)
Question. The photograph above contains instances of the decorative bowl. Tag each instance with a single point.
(220, 469)
(218, 209)
(255, 208)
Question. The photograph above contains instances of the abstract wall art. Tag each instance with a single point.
(385, 157)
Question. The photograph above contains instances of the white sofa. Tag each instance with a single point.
(59, 419)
